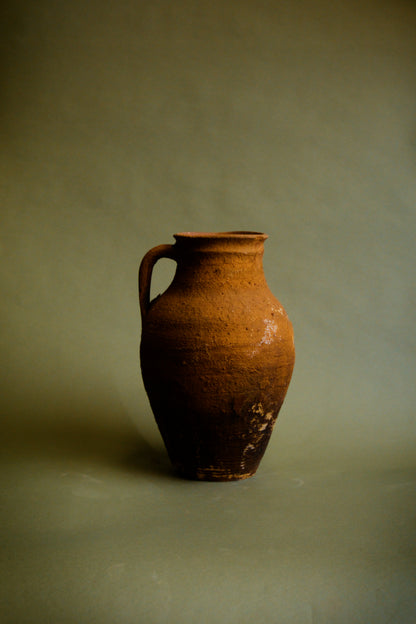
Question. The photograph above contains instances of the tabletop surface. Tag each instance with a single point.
(96, 528)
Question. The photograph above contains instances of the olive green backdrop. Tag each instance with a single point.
(122, 123)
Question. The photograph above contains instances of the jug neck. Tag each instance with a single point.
(235, 257)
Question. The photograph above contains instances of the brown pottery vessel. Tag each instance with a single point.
(216, 352)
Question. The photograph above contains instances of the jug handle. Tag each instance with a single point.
(145, 273)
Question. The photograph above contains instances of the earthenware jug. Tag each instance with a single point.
(216, 353)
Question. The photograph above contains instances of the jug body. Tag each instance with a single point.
(217, 354)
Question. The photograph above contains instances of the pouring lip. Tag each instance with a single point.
(233, 235)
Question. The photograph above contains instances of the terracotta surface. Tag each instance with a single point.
(217, 353)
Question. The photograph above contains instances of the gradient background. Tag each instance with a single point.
(122, 123)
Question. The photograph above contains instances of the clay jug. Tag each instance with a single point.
(216, 352)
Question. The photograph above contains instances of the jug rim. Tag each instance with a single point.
(236, 234)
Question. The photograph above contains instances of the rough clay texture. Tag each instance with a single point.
(217, 354)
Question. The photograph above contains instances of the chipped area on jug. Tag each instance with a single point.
(249, 447)
(257, 427)
(269, 332)
(258, 409)
(213, 474)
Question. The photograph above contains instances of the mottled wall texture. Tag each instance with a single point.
(125, 121)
